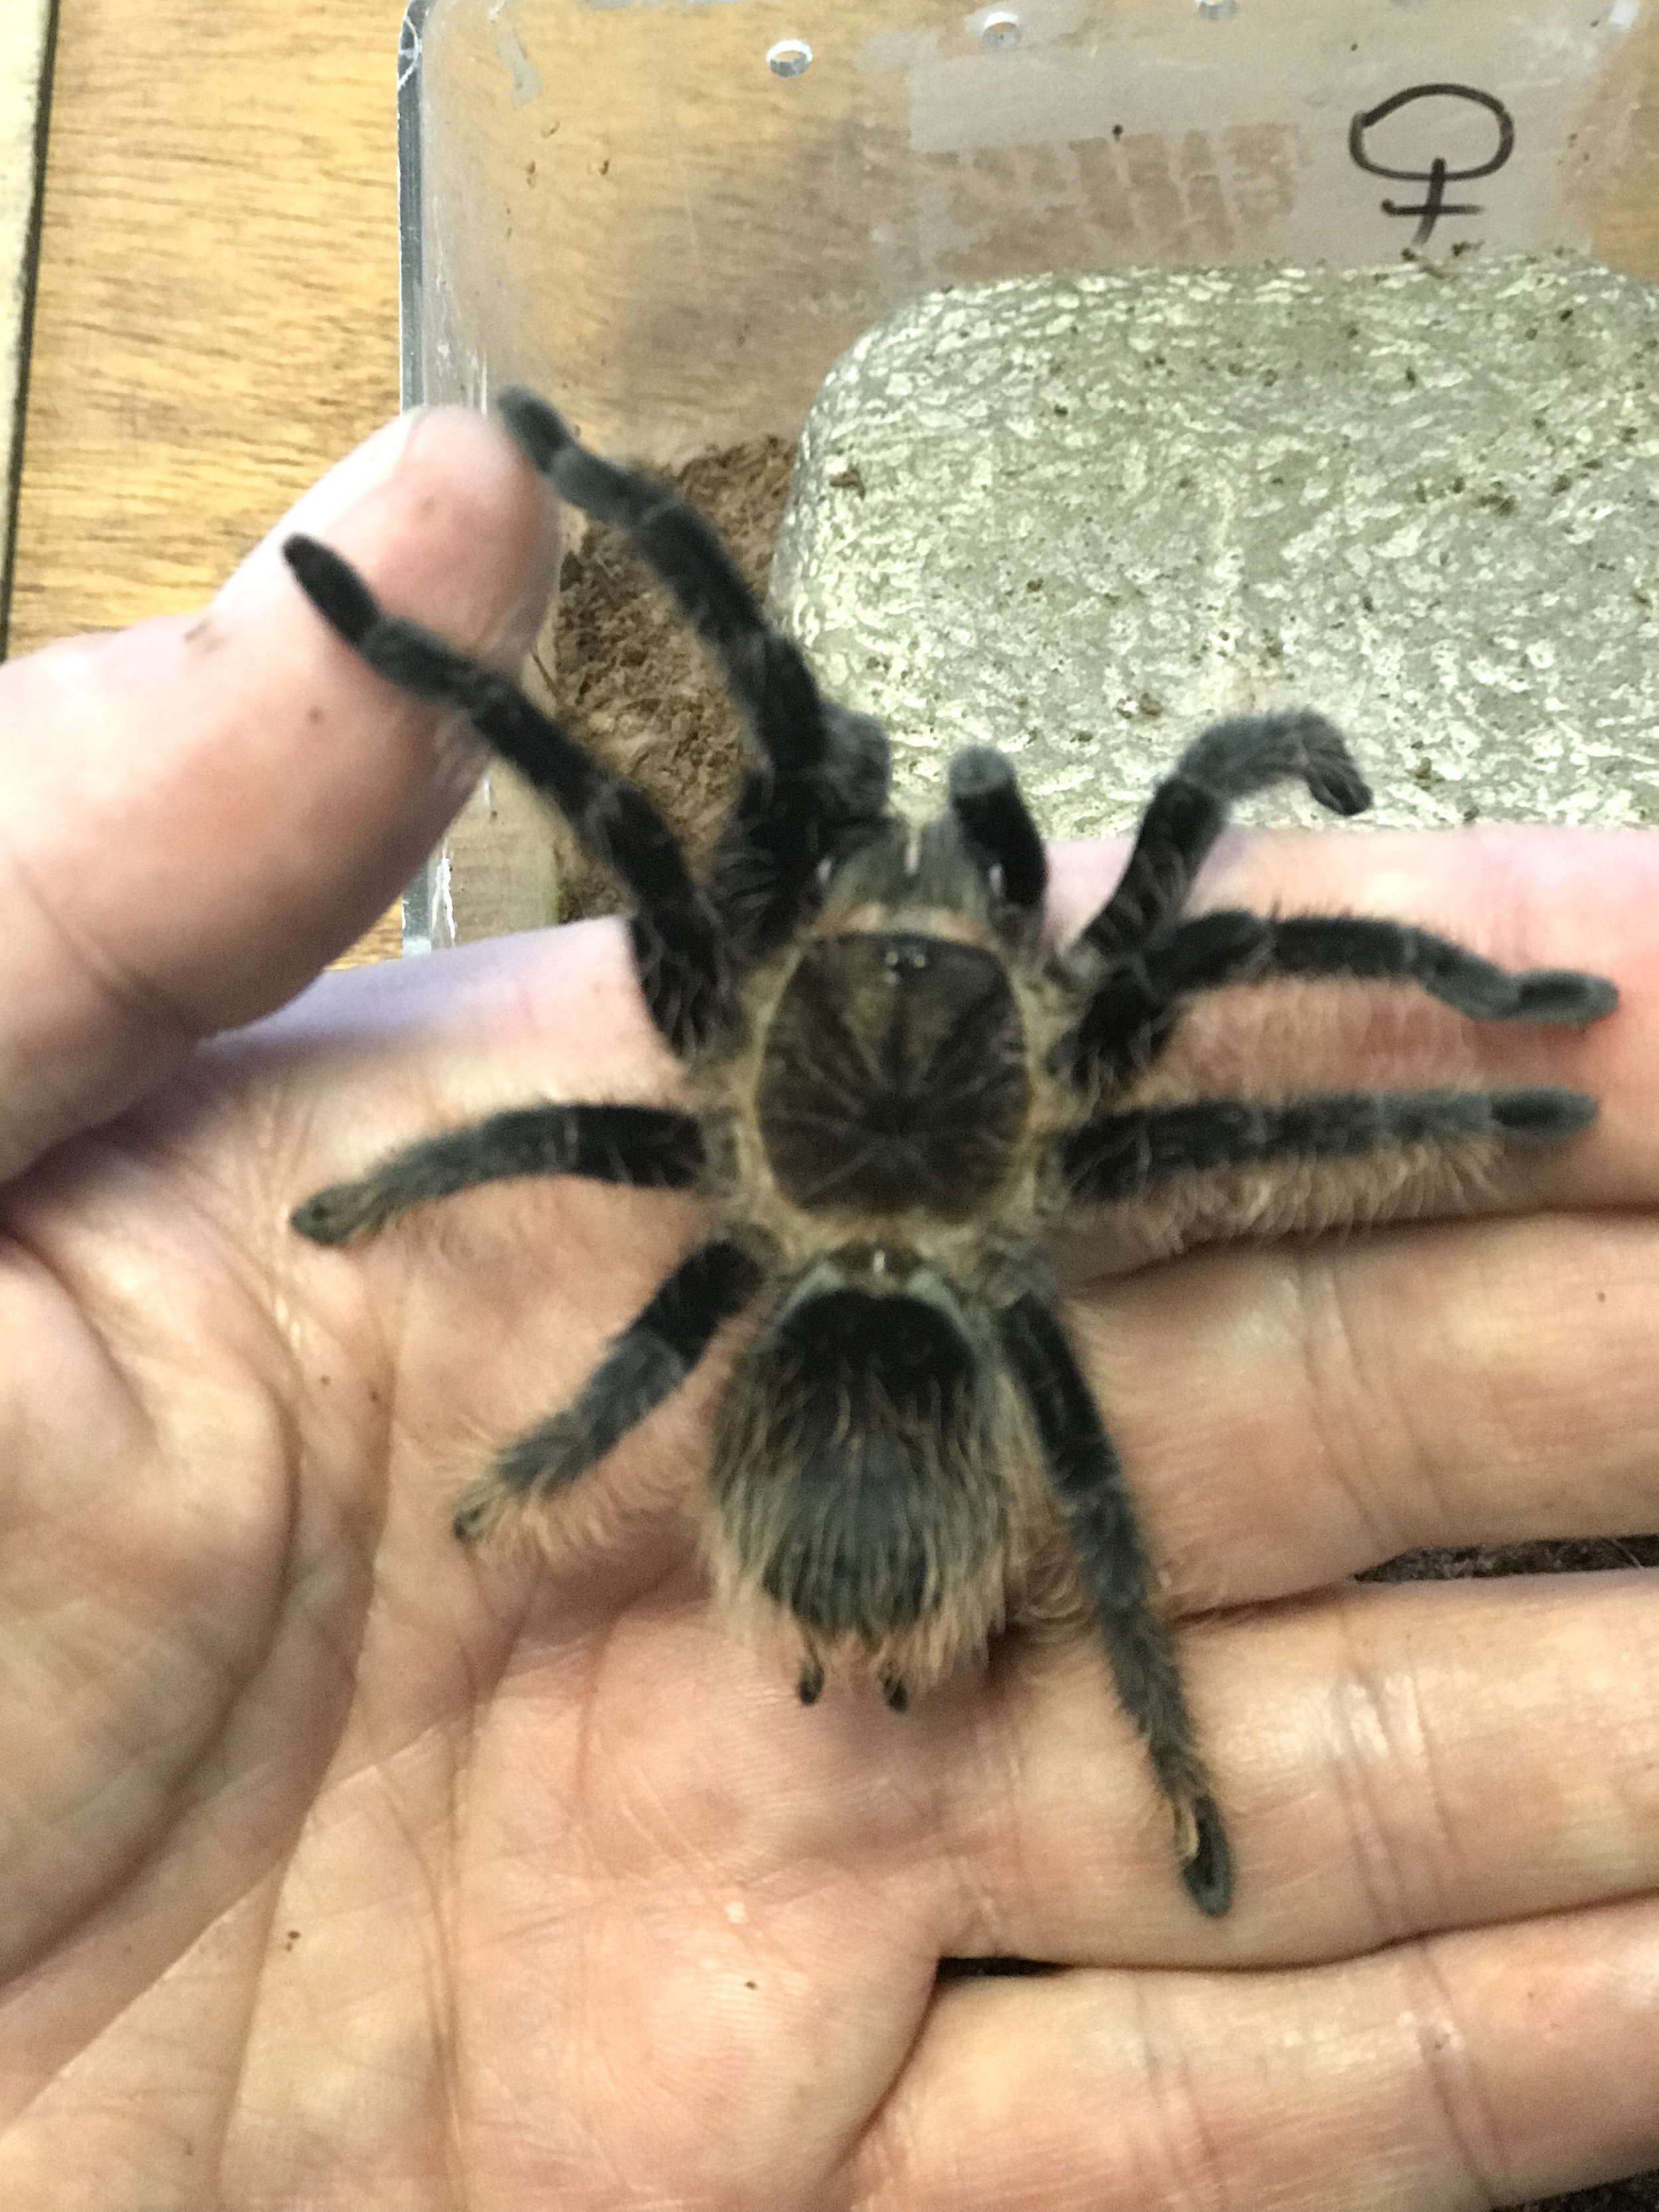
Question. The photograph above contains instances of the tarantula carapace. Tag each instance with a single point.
(893, 1090)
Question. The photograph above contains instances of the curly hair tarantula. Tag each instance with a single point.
(893, 1092)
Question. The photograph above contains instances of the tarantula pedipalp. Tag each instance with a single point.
(893, 1092)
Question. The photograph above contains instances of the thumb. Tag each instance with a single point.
(198, 813)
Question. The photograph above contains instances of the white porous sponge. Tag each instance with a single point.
(1076, 516)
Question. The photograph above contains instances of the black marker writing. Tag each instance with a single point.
(1434, 203)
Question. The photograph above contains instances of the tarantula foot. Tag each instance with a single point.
(539, 431)
(337, 1214)
(617, 496)
(480, 1509)
(333, 587)
(1541, 1117)
(897, 1695)
(1246, 752)
(810, 1687)
(1334, 777)
(1561, 994)
(1206, 1865)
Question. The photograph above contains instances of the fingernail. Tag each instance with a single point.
(373, 462)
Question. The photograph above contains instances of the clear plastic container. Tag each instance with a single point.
(671, 215)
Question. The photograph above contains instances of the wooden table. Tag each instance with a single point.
(216, 316)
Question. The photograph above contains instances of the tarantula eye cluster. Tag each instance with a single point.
(895, 1092)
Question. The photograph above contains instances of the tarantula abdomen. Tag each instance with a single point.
(860, 1468)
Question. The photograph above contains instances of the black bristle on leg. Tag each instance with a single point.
(1209, 1871)
(680, 947)
(334, 588)
(985, 798)
(857, 768)
(648, 1147)
(1541, 1114)
(1362, 948)
(643, 1366)
(825, 768)
(1132, 1016)
(895, 1695)
(764, 670)
(1188, 809)
(683, 549)
(1089, 1487)
(539, 430)
(782, 833)
(1118, 1157)
(1246, 753)
(809, 1686)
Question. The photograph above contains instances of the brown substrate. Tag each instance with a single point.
(630, 681)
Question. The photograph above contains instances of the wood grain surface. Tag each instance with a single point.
(217, 313)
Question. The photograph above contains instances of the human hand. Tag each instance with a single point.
(343, 1865)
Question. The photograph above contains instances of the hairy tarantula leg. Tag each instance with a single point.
(645, 1364)
(1119, 1156)
(649, 1147)
(985, 798)
(679, 946)
(783, 831)
(826, 767)
(1363, 949)
(1187, 813)
(764, 670)
(1088, 1482)
(1126, 1022)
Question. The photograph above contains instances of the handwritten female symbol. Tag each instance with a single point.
(1434, 203)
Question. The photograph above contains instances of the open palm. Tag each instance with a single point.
(342, 1866)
